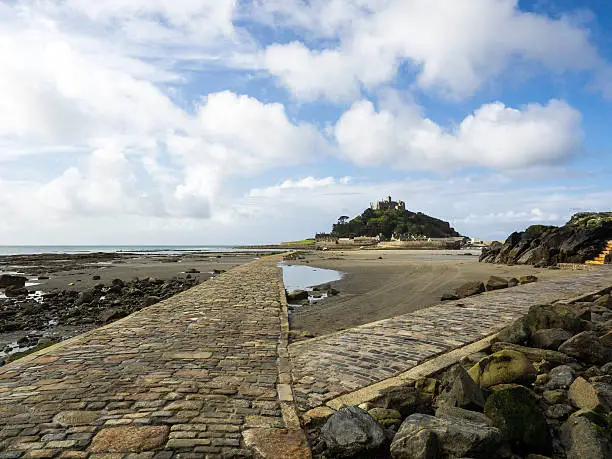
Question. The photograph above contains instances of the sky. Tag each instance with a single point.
(257, 121)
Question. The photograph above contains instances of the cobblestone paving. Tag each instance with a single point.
(182, 378)
(326, 367)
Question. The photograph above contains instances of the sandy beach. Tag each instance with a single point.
(401, 282)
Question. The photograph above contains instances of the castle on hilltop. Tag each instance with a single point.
(388, 204)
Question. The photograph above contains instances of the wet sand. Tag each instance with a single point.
(402, 281)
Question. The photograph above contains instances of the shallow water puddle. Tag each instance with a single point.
(297, 277)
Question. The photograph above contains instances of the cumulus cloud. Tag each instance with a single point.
(494, 136)
(455, 47)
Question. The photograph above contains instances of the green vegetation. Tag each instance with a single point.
(302, 242)
(388, 222)
(590, 219)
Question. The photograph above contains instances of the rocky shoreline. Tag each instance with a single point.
(542, 390)
(36, 317)
(47, 298)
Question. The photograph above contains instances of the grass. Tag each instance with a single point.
(302, 242)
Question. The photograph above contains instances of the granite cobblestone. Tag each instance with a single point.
(329, 366)
(182, 378)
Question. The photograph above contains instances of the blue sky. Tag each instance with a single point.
(222, 121)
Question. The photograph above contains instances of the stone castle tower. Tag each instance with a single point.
(388, 204)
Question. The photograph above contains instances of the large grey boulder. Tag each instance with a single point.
(560, 377)
(584, 440)
(421, 444)
(459, 389)
(550, 338)
(352, 431)
(516, 333)
(10, 280)
(514, 410)
(553, 316)
(453, 412)
(456, 437)
(496, 283)
(586, 347)
(591, 396)
(470, 289)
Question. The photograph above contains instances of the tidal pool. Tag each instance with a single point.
(297, 277)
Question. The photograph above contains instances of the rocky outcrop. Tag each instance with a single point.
(9, 280)
(581, 239)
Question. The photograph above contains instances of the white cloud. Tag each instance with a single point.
(455, 47)
(307, 183)
(494, 136)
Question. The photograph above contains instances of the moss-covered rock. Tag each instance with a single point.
(386, 417)
(503, 367)
(515, 412)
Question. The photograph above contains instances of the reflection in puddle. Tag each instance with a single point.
(296, 277)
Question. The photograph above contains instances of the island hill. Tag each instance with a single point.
(387, 224)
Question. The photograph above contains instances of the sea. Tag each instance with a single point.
(145, 249)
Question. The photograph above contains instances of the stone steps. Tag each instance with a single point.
(601, 258)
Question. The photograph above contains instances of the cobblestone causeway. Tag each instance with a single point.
(332, 365)
(183, 378)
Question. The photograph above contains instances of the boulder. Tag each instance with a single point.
(590, 396)
(585, 347)
(150, 300)
(513, 282)
(85, 297)
(503, 367)
(517, 333)
(527, 279)
(470, 289)
(297, 295)
(553, 316)
(351, 431)
(515, 412)
(550, 338)
(459, 389)
(419, 444)
(112, 314)
(449, 297)
(453, 412)
(582, 439)
(496, 283)
(559, 411)
(560, 377)
(456, 437)
(534, 354)
(11, 291)
(10, 280)
(96, 277)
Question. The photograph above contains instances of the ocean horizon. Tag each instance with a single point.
(150, 249)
